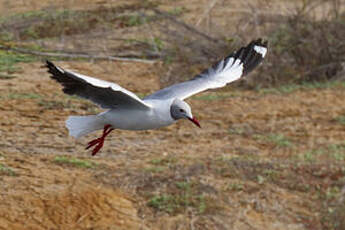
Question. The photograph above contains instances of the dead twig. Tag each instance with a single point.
(206, 12)
(192, 222)
(80, 219)
(255, 17)
(76, 56)
(188, 27)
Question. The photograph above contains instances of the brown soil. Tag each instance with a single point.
(236, 176)
(46, 195)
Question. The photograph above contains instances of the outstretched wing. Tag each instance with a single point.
(106, 94)
(225, 71)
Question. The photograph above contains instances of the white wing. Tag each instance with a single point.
(225, 71)
(106, 94)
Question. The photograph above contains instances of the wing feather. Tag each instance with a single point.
(106, 94)
(225, 71)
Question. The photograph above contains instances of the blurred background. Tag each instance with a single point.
(306, 37)
(270, 155)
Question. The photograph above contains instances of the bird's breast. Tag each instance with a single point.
(139, 119)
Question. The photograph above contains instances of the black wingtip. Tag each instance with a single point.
(49, 62)
(56, 72)
(261, 42)
(52, 68)
(254, 54)
(50, 65)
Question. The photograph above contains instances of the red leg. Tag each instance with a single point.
(99, 141)
(96, 141)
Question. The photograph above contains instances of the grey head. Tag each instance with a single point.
(181, 110)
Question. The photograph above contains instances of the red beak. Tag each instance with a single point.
(195, 121)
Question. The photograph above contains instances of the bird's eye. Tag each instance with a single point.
(181, 110)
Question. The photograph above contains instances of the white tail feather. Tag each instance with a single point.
(81, 125)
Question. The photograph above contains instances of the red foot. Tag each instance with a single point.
(99, 141)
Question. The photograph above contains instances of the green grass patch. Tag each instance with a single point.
(160, 164)
(155, 169)
(278, 139)
(311, 156)
(4, 170)
(45, 17)
(236, 131)
(74, 162)
(134, 20)
(270, 174)
(25, 16)
(260, 179)
(182, 196)
(54, 23)
(52, 104)
(283, 89)
(214, 96)
(175, 203)
(164, 161)
(8, 61)
(235, 186)
(337, 151)
(333, 152)
(6, 36)
(15, 95)
(6, 76)
(332, 192)
(289, 88)
(341, 119)
(177, 11)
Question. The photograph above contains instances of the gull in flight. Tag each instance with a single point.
(125, 110)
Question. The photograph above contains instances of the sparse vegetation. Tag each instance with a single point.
(164, 161)
(18, 95)
(236, 186)
(74, 162)
(214, 96)
(177, 11)
(278, 139)
(155, 169)
(6, 76)
(54, 23)
(236, 131)
(52, 104)
(290, 88)
(161, 164)
(8, 61)
(184, 197)
(4, 170)
(341, 119)
(134, 20)
(333, 152)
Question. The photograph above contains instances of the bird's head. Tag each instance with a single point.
(181, 110)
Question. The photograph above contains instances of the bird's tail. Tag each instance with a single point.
(81, 125)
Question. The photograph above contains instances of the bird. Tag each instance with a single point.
(125, 110)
